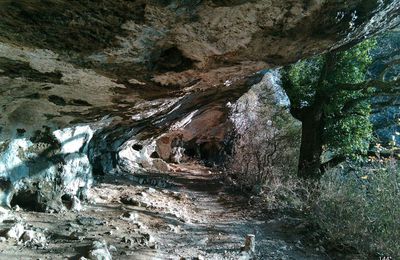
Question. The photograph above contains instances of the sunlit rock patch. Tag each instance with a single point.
(43, 168)
(264, 130)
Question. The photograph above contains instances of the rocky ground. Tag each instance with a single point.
(185, 214)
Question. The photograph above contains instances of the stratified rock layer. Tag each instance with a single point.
(64, 62)
(106, 86)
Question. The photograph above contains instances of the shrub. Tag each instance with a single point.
(359, 206)
(263, 160)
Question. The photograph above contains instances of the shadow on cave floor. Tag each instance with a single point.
(192, 215)
(204, 217)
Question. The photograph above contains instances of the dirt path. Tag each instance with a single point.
(221, 222)
(182, 215)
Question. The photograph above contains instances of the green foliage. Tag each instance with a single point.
(325, 82)
(352, 65)
(359, 207)
(350, 135)
(301, 79)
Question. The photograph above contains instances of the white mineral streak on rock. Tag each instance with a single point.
(74, 139)
(184, 122)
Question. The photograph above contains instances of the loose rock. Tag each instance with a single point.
(99, 251)
(130, 201)
(16, 231)
(130, 216)
(76, 204)
(33, 238)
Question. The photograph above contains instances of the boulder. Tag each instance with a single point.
(34, 238)
(15, 231)
(99, 251)
(160, 165)
(263, 125)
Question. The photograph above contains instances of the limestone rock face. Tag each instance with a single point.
(267, 137)
(47, 166)
(120, 86)
(63, 63)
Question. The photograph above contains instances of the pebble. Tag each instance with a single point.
(130, 215)
(151, 190)
(115, 227)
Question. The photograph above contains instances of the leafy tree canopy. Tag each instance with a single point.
(330, 90)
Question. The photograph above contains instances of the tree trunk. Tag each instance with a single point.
(313, 125)
(311, 144)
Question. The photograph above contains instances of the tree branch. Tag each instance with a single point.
(382, 86)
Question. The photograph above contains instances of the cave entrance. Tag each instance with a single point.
(27, 200)
(210, 153)
(67, 201)
(173, 59)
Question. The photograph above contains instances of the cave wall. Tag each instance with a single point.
(47, 165)
(102, 87)
(64, 62)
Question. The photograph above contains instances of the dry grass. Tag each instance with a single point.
(359, 207)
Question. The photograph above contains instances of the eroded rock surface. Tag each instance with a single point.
(104, 88)
(264, 125)
(63, 62)
(196, 217)
(43, 168)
